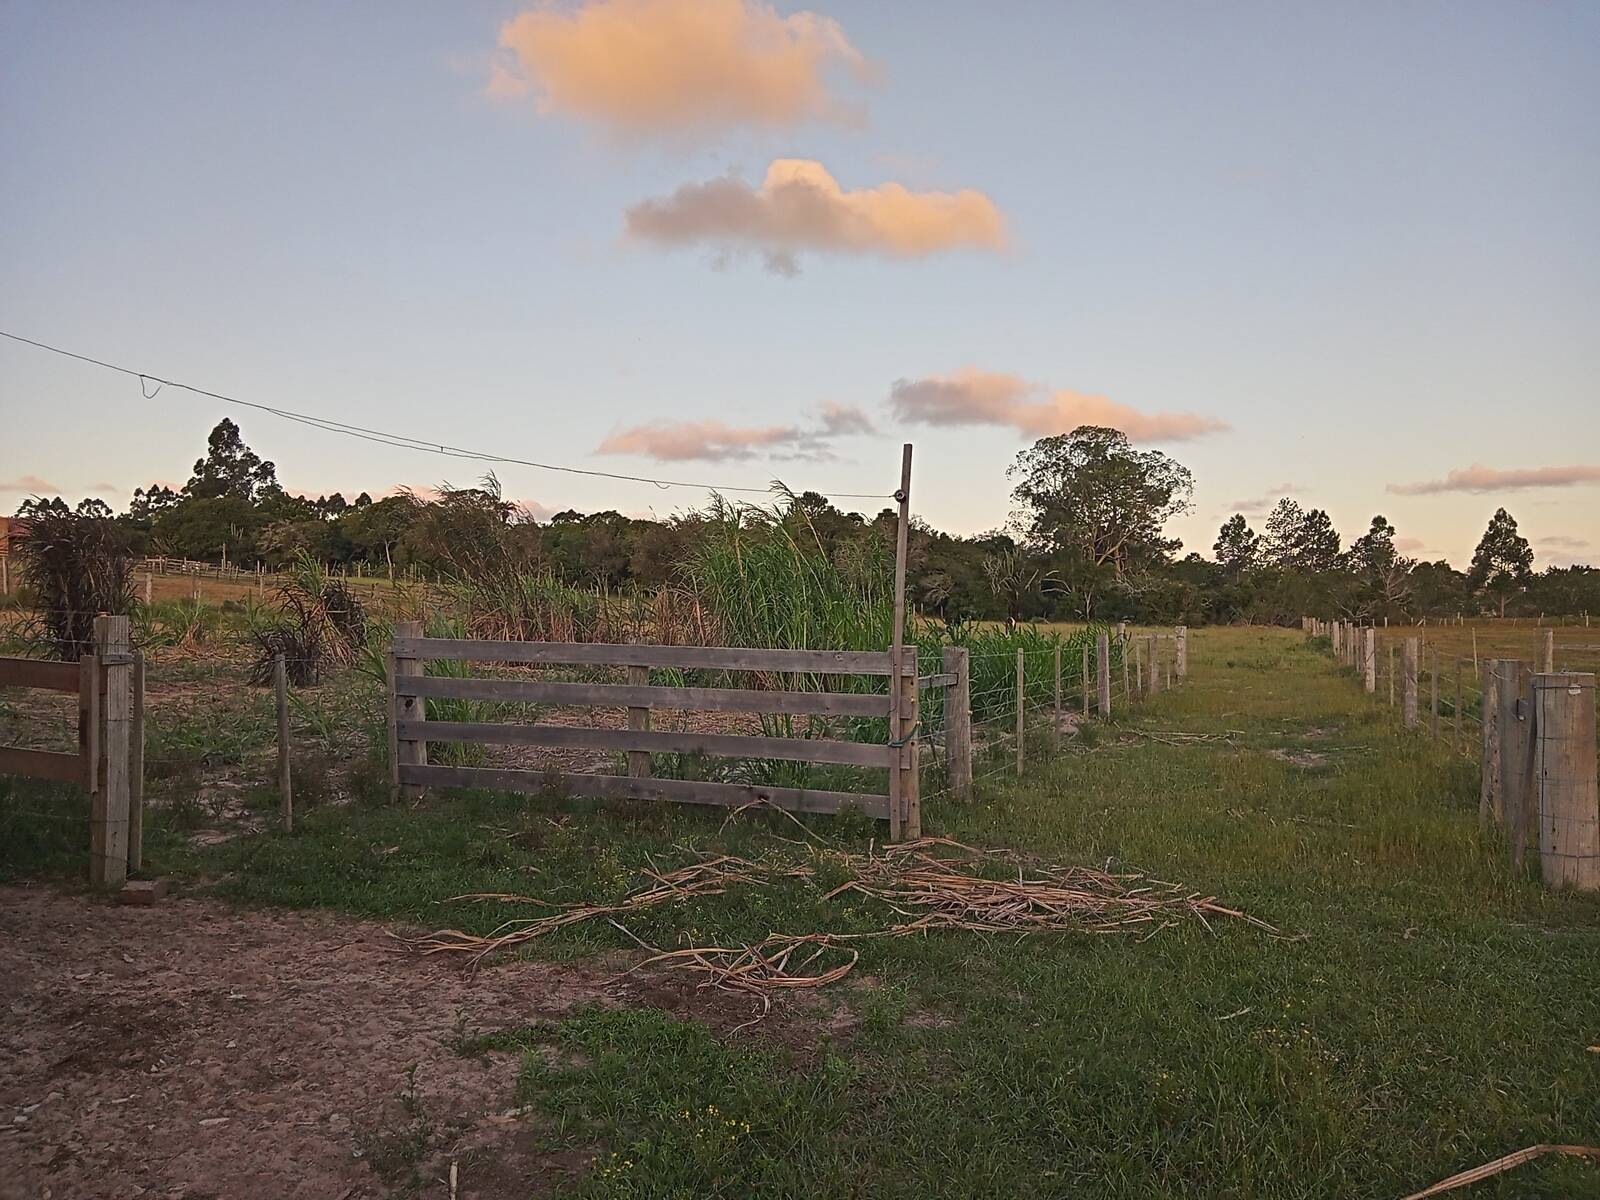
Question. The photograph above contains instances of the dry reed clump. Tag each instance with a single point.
(932, 884)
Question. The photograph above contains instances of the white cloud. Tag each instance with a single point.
(1478, 478)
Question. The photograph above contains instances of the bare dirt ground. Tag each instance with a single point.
(194, 1050)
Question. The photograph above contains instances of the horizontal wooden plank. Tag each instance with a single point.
(620, 787)
(41, 764)
(720, 745)
(618, 695)
(945, 680)
(39, 673)
(713, 658)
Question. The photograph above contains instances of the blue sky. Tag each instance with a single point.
(1361, 236)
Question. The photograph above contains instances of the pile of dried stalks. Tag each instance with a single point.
(933, 883)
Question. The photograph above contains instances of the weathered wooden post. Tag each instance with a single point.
(1549, 651)
(1138, 665)
(1564, 766)
(1337, 633)
(149, 585)
(1369, 659)
(1490, 808)
(1083, 678)
(639, 722)
(136, 770)
(1391, 674)
(1122, 631)
(1102, 658)
(1516, 755)
(1019, 711)
(1455, 733)
(911, 749)
(1154, 685)
(1181, 634)
(409, 750)
(108, 814)
(1433, 693)
(958, 720)
(5, 573)
(1056, 723)
(1409, 709)
(280, 684)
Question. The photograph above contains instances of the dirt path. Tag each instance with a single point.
(194, 1050)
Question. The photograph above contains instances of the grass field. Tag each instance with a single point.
(1423, 1012)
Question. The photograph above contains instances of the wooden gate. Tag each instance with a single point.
(781, 671)
(109, 761)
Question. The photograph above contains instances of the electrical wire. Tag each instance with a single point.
(401, 441)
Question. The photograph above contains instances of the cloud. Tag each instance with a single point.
(1260, 506)
(1561, 541)
(29, 483)
(1407, 544)
(714, 441)
(974, 397)
(800, 206)
(1479, 478)
(679, 66)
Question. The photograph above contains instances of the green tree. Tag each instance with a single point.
(1090, 495)
(1503, 562)
(1382, 576)
(1301, 540)
(230, 468)
(1237, 546)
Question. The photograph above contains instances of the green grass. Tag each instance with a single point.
(1426, 1011)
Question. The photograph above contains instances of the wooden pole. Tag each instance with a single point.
(1409, 696)
(149, 585)
(1564, 764)
(1138, 664)
(1516, 753)
(910, 751)
(1433, 693)
(1057, 724)
(280, 684)
(958, 720)
(1490, 810)
(136, 770)
(1019, 711)
(1549, 651)
(1181, 633)
(1391, 674)
(108, 829)
(1455, 732)
(1155, 667)
(1083, 678)
(897, 644)
(1476, 674)
(1369, 660)
(408, 752)
(639, 720)
(5, 573)
(1102, 659)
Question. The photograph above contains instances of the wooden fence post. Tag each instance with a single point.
(1409, 710)
(1056, 727)
(1369, 660)
(1019, 712)
(1490, 810)
(958, 720)
(108, 820)
(280, 686)
(1138, 668)
(1391, 674)
(5, 573)
(1154, 685)
(1083, 678)
(1564, 765)
(1181, 633)
(1549, 651)
(136, 770)
(409, 752)
(1433, 693)
(1102, 652)
(1516, 754)
(1455, 732)
(911, 752)
(639, 720)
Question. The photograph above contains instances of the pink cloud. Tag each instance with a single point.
(973, 397)
(31, 484)
(800, 206)
(715, 441)
(1479, 478)
(1408, 544)
(678, 66)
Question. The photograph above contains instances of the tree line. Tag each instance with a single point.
(1087, 540)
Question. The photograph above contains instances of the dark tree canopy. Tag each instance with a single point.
(1090, 494)
(1503, 562)
(230, 468)
(1237, 546)
(1300, 539)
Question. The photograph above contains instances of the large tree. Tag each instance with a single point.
(1301, 540)
(1502, 564)
(1237, 547)
(1382, 576)
(230, 468)
(1091, 495)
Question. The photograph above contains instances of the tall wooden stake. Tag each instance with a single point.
(1102, 662)
(1020, 709)
(897, 798)
(1564, 766)
(280, 684)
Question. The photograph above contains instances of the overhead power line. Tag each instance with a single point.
(402, 441)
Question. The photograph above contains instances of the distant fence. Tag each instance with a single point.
(109, 761)
(1535, 739)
